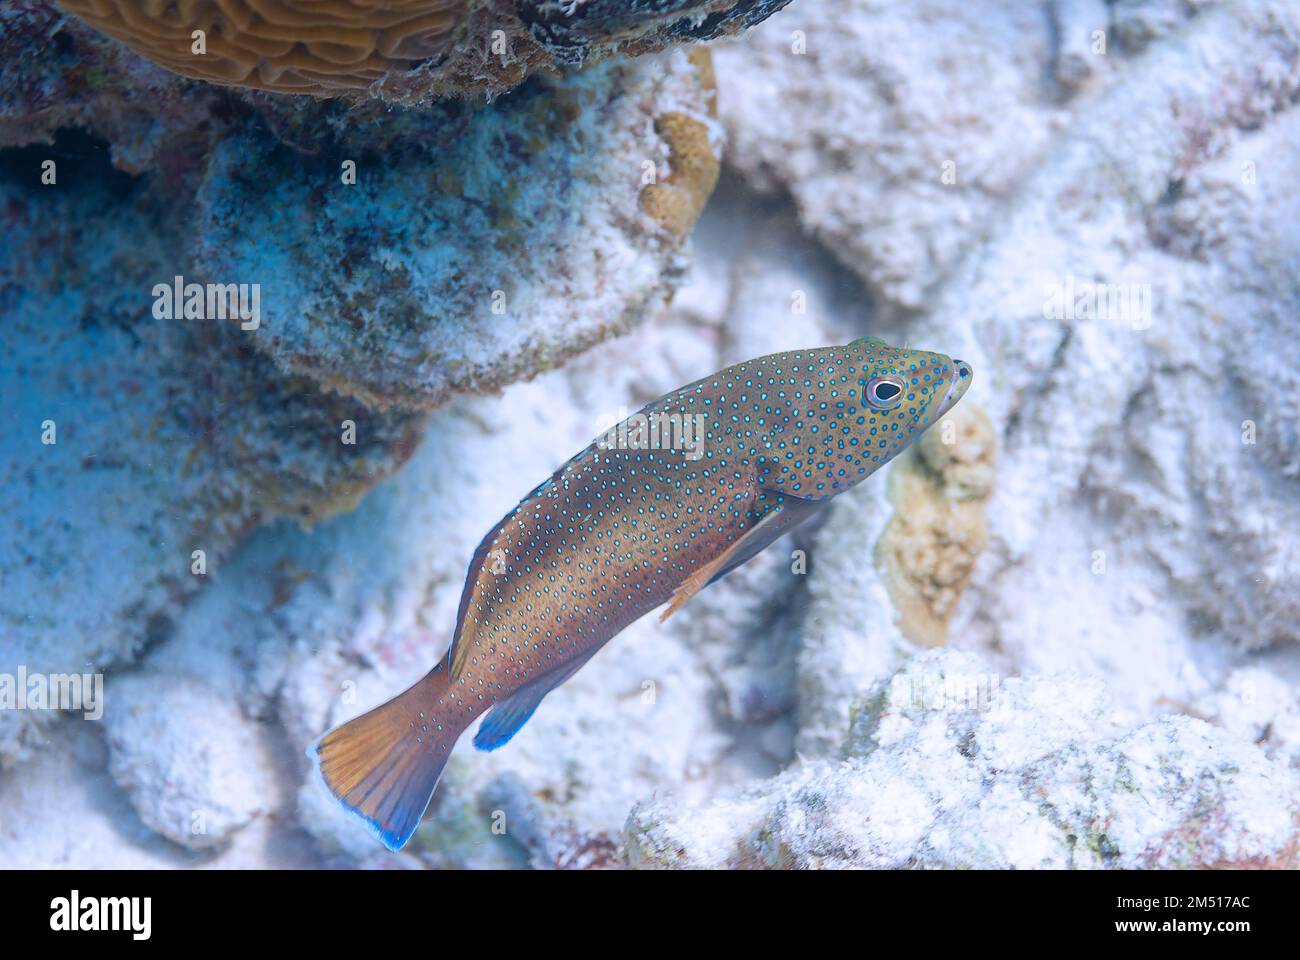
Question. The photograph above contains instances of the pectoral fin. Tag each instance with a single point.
(787, 515)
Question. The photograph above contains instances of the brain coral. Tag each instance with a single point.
(401, 49)
(291, 46)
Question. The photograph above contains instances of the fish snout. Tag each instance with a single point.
(962, 374)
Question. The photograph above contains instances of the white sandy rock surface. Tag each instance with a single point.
(950, 765)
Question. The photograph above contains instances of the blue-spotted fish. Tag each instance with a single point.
(628, 524)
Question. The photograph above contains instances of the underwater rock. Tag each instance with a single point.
(898, 137)
(948, 765)
(187, 435)
(184, 754)
(549, 219)
(484, 246)
(406, 50)
(68, 782)
(1144, 398)
(1141, 523)
(138, 449)
(850, 635)
(1234, 507)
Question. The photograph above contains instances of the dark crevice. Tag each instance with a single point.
(79, 156)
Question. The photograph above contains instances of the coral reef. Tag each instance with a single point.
(1145, 453)
(286, 47)
(898, 137)
(890, 127)
(1138, 421)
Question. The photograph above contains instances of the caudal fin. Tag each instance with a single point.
(384, 765)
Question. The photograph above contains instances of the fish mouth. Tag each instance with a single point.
(962, 374)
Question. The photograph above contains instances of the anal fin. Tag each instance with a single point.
(506, 718)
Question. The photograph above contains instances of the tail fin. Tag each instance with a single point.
(384, 765)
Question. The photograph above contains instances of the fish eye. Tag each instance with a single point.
(883, 392)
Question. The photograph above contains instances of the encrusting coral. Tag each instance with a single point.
(401, 49)
(676, 202)
(937, 532)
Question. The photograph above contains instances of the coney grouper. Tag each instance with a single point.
(676, 497)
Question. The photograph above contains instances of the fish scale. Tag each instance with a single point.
(620, 530)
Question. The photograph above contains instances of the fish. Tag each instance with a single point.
(677, 496)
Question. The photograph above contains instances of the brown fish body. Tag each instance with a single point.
(684, 491)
